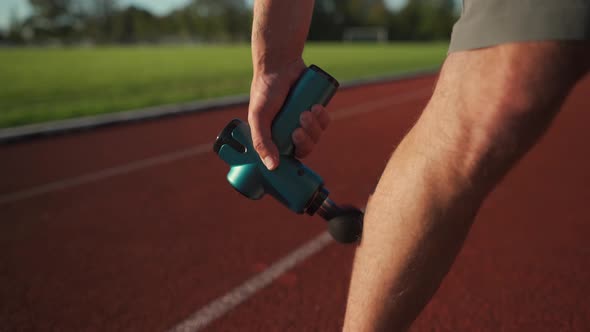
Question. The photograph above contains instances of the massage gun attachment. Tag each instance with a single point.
(345, 223)
(292, 183)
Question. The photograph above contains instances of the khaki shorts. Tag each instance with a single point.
(485, 23)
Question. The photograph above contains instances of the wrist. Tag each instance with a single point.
(267, 69)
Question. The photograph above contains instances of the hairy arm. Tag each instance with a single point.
(279, 32)
(468, 137)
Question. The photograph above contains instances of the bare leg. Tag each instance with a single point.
(489, 107)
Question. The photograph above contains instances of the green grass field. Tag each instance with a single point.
(48, 84)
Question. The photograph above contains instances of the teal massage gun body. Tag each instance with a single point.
(292, 183)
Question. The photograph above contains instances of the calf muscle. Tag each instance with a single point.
(488, 109)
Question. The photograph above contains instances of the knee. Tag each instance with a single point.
(518, 87)
(492, 105)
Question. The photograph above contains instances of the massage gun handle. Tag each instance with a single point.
(313, 87)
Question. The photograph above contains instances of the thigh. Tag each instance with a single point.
(523, 75)
(486, 23)
(491, 105)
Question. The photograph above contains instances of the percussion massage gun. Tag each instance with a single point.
(292, 183)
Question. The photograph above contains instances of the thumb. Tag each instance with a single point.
(260, 125)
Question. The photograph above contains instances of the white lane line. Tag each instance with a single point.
(238, 295)
(380, 104)
(106, 173)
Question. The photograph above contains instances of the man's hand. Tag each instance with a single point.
(279, 31)
(267, 95)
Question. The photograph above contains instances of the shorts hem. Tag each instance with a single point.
(485, 31)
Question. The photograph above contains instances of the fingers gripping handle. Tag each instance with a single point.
(313, 87)
(294, 185)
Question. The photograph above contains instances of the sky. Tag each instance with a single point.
(22, 9)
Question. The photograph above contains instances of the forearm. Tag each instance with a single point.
(279, 32)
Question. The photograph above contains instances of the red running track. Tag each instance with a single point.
(133, 228)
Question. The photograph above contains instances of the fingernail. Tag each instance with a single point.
(269, 162)
(304, 117)
(298, 136)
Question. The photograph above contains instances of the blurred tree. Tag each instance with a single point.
(365, 12)
(106, 21)
(103, 12)
(327, 22)
(179, 25)
(52, 10)
(377, 13)
(447, 15)
(424, 20)
(221, 20)
(14, 34)
(51, 19)
(332, 17)
(134, 25)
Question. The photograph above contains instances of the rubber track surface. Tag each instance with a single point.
(143, 249)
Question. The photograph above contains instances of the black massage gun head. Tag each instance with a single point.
(347, 225)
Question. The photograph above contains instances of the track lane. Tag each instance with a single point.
(38, 162)
(524, 266)
(145, 250)
(144, 270)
